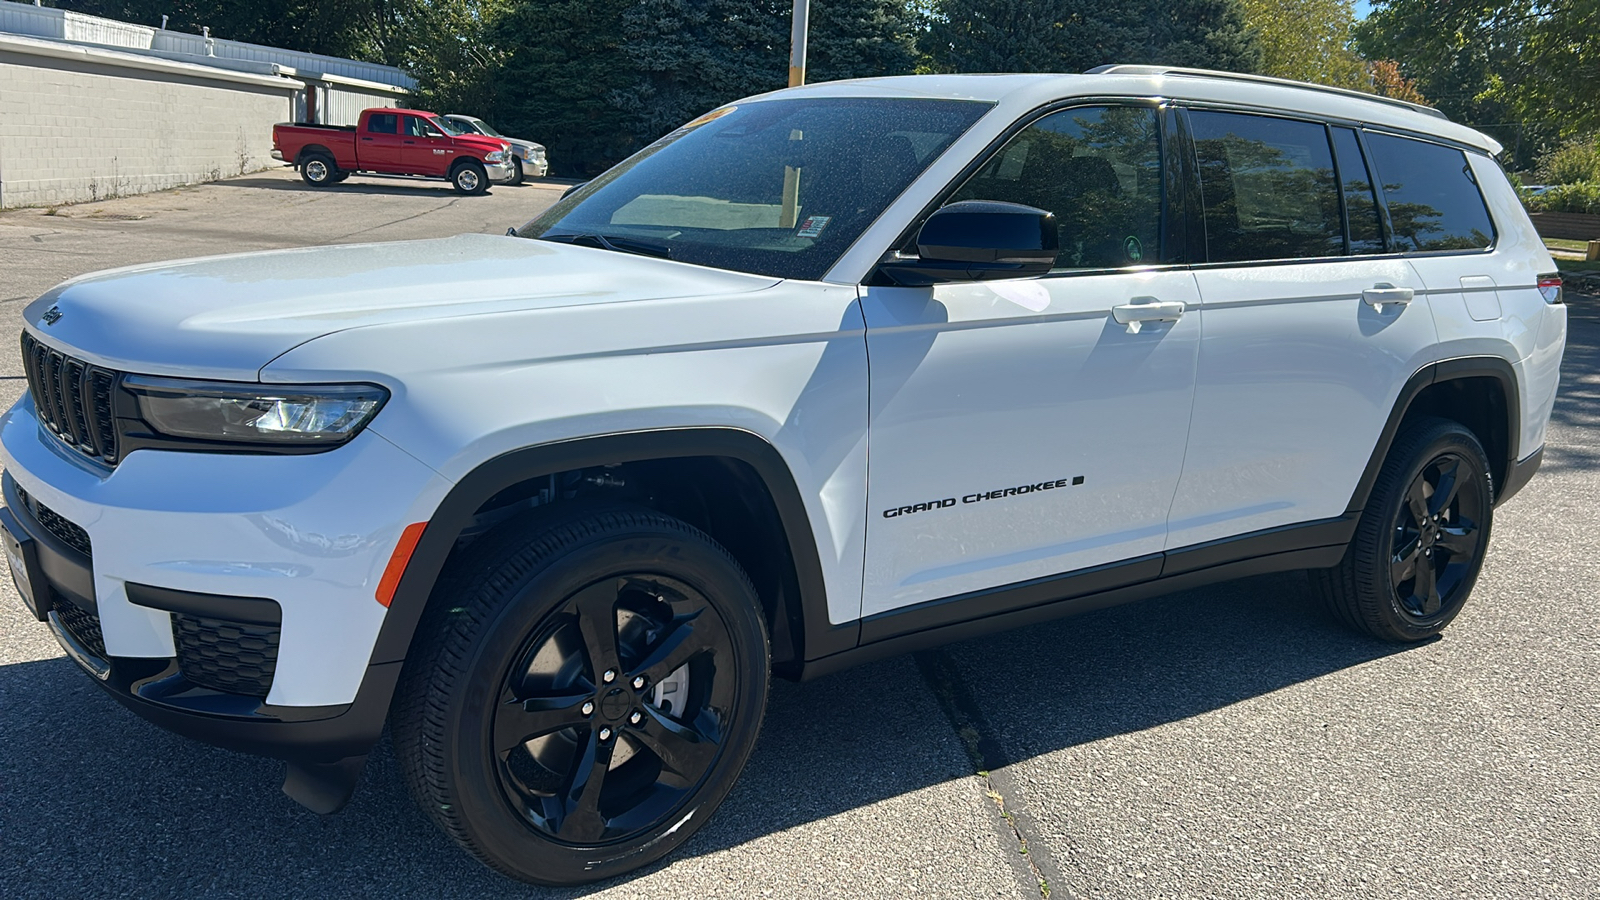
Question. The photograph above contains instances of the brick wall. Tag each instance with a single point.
(85, 129)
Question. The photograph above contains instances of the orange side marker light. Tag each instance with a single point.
(397, 562)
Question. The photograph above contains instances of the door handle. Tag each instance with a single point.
(1384, 292)
(1147, 309)
(366, 139)
(408, 142)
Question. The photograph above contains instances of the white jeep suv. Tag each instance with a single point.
(824, 375)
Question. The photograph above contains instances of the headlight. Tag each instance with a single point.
(323, 414)
(529, 154)
(495, 156)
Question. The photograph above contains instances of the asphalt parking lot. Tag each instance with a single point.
(1227, 742)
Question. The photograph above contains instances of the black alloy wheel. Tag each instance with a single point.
(583, 691)
(1421, 539)
(613, 714)
(1436, 541)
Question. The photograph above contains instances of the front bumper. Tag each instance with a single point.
(500, 173)
(307, 536)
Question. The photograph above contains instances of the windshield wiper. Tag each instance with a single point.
(619, 244)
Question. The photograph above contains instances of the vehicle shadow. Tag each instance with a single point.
(98, 803)
(363, 184)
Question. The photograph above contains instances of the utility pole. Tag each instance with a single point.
(797, 43)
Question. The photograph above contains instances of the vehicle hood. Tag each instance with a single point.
(228, 316)
(527, 145)
(479, 142)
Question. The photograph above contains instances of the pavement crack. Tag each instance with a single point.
(989, 762)
(426, 212)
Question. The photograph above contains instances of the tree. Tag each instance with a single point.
(690, 56)
(860, 38)
(1308, 40)
(349, 28)
(1074, 35)
(563, 64)
(1388, 82)
(1496, 65)
(446, 46)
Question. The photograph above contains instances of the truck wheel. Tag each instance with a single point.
(583, 692)
(470, 177)
(517, 163)
(1421, 539)
(319, 171)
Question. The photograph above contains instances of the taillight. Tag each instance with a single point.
(1550, 289)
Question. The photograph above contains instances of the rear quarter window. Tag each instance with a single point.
(1433, 199)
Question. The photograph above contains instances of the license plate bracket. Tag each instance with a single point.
(22, 555)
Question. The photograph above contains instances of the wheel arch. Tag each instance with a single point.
(796, 609)
(1480, 392)
(310, 150)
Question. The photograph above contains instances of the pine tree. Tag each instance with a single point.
(861, 38)
(1074, 35)
(563, 63)
(691, 56)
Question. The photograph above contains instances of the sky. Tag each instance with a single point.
(1362, 8)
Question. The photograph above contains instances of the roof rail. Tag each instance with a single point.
(1262, 79)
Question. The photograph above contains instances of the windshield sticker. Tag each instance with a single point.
(711, 116)
(812, 226)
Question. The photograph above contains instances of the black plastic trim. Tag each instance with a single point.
(1520, 473)
(456, 511)
(966, 607)
(1434, 373)
(63, 568)
(972, 615)
(249, 610)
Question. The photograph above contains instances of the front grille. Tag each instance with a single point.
(226, 656)
(73, 399)
(65, 531)
(84, 625)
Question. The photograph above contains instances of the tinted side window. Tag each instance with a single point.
(1098, 169)
(383, 124)
(1267, 187)
(1434, 203)
(1360, 205)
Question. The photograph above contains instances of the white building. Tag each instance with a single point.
(92, 108)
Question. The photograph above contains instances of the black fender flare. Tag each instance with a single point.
(1425, 377)
(820, 638)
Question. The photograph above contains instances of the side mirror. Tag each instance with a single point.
(979, 240)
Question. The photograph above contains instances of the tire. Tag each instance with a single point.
(318, 170)
(517, 178)
(1414, 558)
(470, 177)
(513, 620)
(339, 177)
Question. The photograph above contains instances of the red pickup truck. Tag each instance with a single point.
(392, 142)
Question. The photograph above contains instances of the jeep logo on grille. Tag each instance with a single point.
(51, 316)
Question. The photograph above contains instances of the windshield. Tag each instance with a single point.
(777, 187)
(486, 128)
(451, 126)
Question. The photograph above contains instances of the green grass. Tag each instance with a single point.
(1564, 244)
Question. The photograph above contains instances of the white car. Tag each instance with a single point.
(527, 157)
(825, 375)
